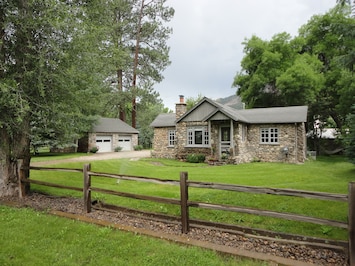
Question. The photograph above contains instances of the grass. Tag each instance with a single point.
(50, 156)
(327, 174)
(33, 238)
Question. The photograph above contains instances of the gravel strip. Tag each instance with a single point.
(289, 251)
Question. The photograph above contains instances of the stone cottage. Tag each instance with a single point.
(220, 132)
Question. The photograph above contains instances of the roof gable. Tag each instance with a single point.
(200, 111)
(113, 125)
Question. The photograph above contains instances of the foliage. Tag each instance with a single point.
(45, 73)
(56, 60)
(150, 107)
(315, 68)
(133, 38)
(276, 74)
(94, 149)
(195, 158)
(330, 38)
(350, 137)
(191, 101)
(138, 147)
(70, 242)
(117, 149)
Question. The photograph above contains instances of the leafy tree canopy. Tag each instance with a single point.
(315, 68)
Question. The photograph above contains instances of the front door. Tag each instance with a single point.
(225, 140)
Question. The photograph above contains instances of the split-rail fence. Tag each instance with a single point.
(185, 203)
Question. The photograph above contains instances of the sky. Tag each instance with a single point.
(206, 45)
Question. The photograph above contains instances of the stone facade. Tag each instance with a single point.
(242, 141)
(161, 144)
(246, 145)
(291, 136)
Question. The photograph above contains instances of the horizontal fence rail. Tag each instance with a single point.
(287, 216)
(137, 178)
(270, 191)
(185, 203)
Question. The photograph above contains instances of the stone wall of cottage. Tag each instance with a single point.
(161, 148)
(291, 136)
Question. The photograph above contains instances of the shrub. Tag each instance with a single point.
(94, 149)
(138, 147)
(117, 149)
(224, 156)
(195, 158)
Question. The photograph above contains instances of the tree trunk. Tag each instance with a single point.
(135, 65)
(14, 147)
(122, 113)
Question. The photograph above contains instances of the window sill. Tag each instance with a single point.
(197, 146)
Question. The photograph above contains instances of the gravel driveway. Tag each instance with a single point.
(100, 157)
(113, 155)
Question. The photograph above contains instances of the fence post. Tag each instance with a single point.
(351, 225)
(184, 197)
(86, 188)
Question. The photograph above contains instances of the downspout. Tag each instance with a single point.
(232, 137)
(209, 133)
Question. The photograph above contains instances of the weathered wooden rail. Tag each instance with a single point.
(185, 203)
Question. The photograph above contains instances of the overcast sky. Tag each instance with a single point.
(206, 45)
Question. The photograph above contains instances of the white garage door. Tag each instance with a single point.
(125, 143)
(104, 143)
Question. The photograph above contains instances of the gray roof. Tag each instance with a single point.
(271, 115)
(113, 125)
(164, 120)
(277, 115)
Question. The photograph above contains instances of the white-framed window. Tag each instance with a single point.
(197, 136)
(269, 135)
(171, 137)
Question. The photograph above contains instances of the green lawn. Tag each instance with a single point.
(327, 174)
(33, 238)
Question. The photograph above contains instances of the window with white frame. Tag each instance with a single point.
(171, 137)
(269, 135)
(197, 136)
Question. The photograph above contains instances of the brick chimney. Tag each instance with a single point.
(180, 108)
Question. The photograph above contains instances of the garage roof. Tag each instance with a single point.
(113, 125)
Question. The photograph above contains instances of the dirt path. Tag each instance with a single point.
(99, 157)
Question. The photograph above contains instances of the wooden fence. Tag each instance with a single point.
(185, 203)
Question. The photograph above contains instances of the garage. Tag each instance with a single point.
(108, 134)
(125, 142)
(104, 143)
